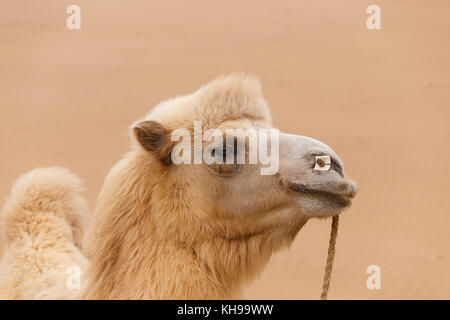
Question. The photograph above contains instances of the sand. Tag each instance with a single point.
(379, 98)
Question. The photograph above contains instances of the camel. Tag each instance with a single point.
(162, 230)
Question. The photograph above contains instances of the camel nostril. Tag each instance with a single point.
(322, 163)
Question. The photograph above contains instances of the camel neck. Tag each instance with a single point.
(136, 251)
(142, 248)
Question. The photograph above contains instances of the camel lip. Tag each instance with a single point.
(343, 199)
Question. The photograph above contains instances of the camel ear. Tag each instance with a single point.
(153, 137)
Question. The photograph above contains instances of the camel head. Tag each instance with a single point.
(208, 193)
(245, 177)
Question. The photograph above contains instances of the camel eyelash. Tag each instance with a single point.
(323, 163)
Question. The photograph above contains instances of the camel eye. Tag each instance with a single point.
(323, 163)
(230, 150)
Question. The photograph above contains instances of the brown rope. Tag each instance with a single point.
(330, 258)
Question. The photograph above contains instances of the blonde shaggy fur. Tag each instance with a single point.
(158, 231)
(43, 222)
(157, 234)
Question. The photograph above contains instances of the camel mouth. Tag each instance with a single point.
(343, 199)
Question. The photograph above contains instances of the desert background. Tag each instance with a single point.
(380, 99)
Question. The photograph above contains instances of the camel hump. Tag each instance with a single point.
(45, 206)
